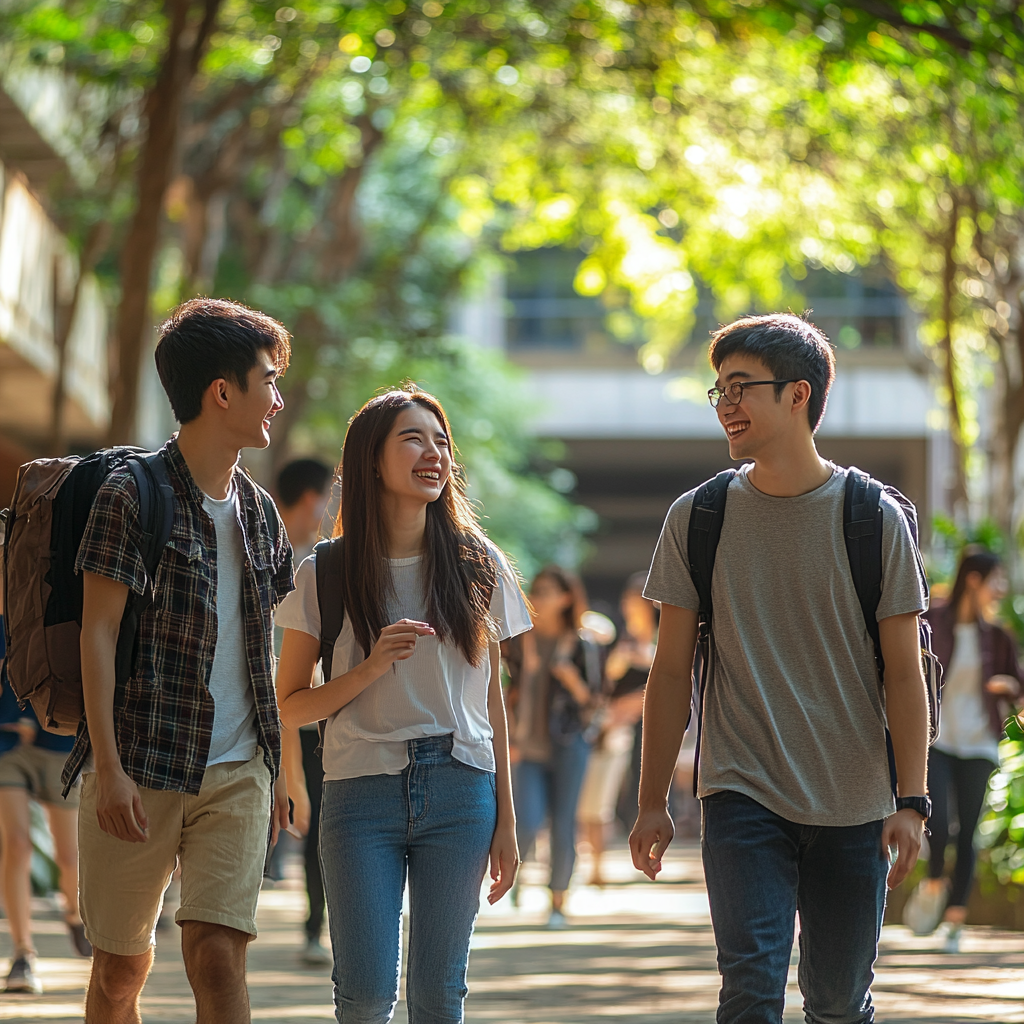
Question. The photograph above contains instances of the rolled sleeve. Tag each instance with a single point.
(111, 544)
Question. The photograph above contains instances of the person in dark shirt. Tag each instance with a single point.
(555, 676)
(626, 672)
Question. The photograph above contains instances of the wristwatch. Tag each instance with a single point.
(921, 804)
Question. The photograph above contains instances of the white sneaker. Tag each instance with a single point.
(557, 921)
(924, 909)
(952, 940)
(315, 955)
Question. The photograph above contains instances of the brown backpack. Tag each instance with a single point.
(42, 592)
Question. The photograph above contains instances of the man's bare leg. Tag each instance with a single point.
(115, 986)
(215, 964)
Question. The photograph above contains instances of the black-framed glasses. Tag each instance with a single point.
(733, 393)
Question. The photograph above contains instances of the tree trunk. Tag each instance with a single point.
(958, 492)
(189, 28)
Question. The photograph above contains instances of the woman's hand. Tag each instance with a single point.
(1002, 686)
(504, 859)
(626, 710)
(569, 676)
(397, 642)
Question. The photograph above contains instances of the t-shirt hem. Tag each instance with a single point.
(796, 816)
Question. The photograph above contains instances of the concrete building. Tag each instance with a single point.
(38, 271)
(635, 441)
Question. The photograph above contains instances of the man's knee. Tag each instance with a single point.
(213, 953)
(119, 979)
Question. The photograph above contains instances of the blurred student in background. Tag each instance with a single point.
(555, 680)
(626, 672)
(981, 678)
(303, 491)
(31, 761)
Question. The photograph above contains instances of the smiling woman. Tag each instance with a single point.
(413, 706)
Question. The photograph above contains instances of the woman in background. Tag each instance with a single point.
(981, 676)
(555, 679)
(626, 672)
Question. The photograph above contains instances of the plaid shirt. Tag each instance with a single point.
(163, 715)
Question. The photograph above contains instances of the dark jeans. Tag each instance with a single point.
(552, 788)
(761, 870)
(957, 786)
(313, 769)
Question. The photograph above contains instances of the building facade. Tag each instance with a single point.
(38, 276)
(634, 441)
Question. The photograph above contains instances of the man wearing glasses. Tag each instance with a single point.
(798, 811)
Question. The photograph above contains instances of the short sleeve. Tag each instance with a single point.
(669, 579)
(300, 609)
(508, 606)
(904, 589)
(110, 546)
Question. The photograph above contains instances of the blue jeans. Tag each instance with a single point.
(761, 870)
(434, 822)
(553, 788)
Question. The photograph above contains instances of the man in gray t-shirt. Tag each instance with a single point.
(798, 812)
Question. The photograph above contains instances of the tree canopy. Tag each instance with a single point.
(354, 168)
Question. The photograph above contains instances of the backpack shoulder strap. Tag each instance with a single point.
(703, 534)
(862, 531)
(329, 558)
(156, 506)
(707, 513)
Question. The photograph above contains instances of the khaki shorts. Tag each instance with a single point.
(38, 771)
(219, 835)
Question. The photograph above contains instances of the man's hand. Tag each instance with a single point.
(280, 820)
(504, 860)
(119, 807)
(649, 840)
(902, 830)
(302, 810)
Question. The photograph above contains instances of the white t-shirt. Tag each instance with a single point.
(965, 725)
(234, 716)
(433, 693)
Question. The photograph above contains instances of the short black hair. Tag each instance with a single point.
(790, 346)
(300, 476)
(204, 340)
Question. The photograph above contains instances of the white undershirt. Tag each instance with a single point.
(965, 730)
(234, 716)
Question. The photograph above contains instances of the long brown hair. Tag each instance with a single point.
(569, 583)
(973, 559)
(460, 572)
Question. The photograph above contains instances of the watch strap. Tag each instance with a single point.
(920, 804)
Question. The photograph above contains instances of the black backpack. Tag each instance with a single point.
(42, 592)
(329, 558)
(862, 530)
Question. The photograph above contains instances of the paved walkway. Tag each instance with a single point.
(634, 951)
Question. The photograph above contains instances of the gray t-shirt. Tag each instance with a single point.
(794, 715)
(234, 715)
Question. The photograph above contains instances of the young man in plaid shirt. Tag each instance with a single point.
(183, 761)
